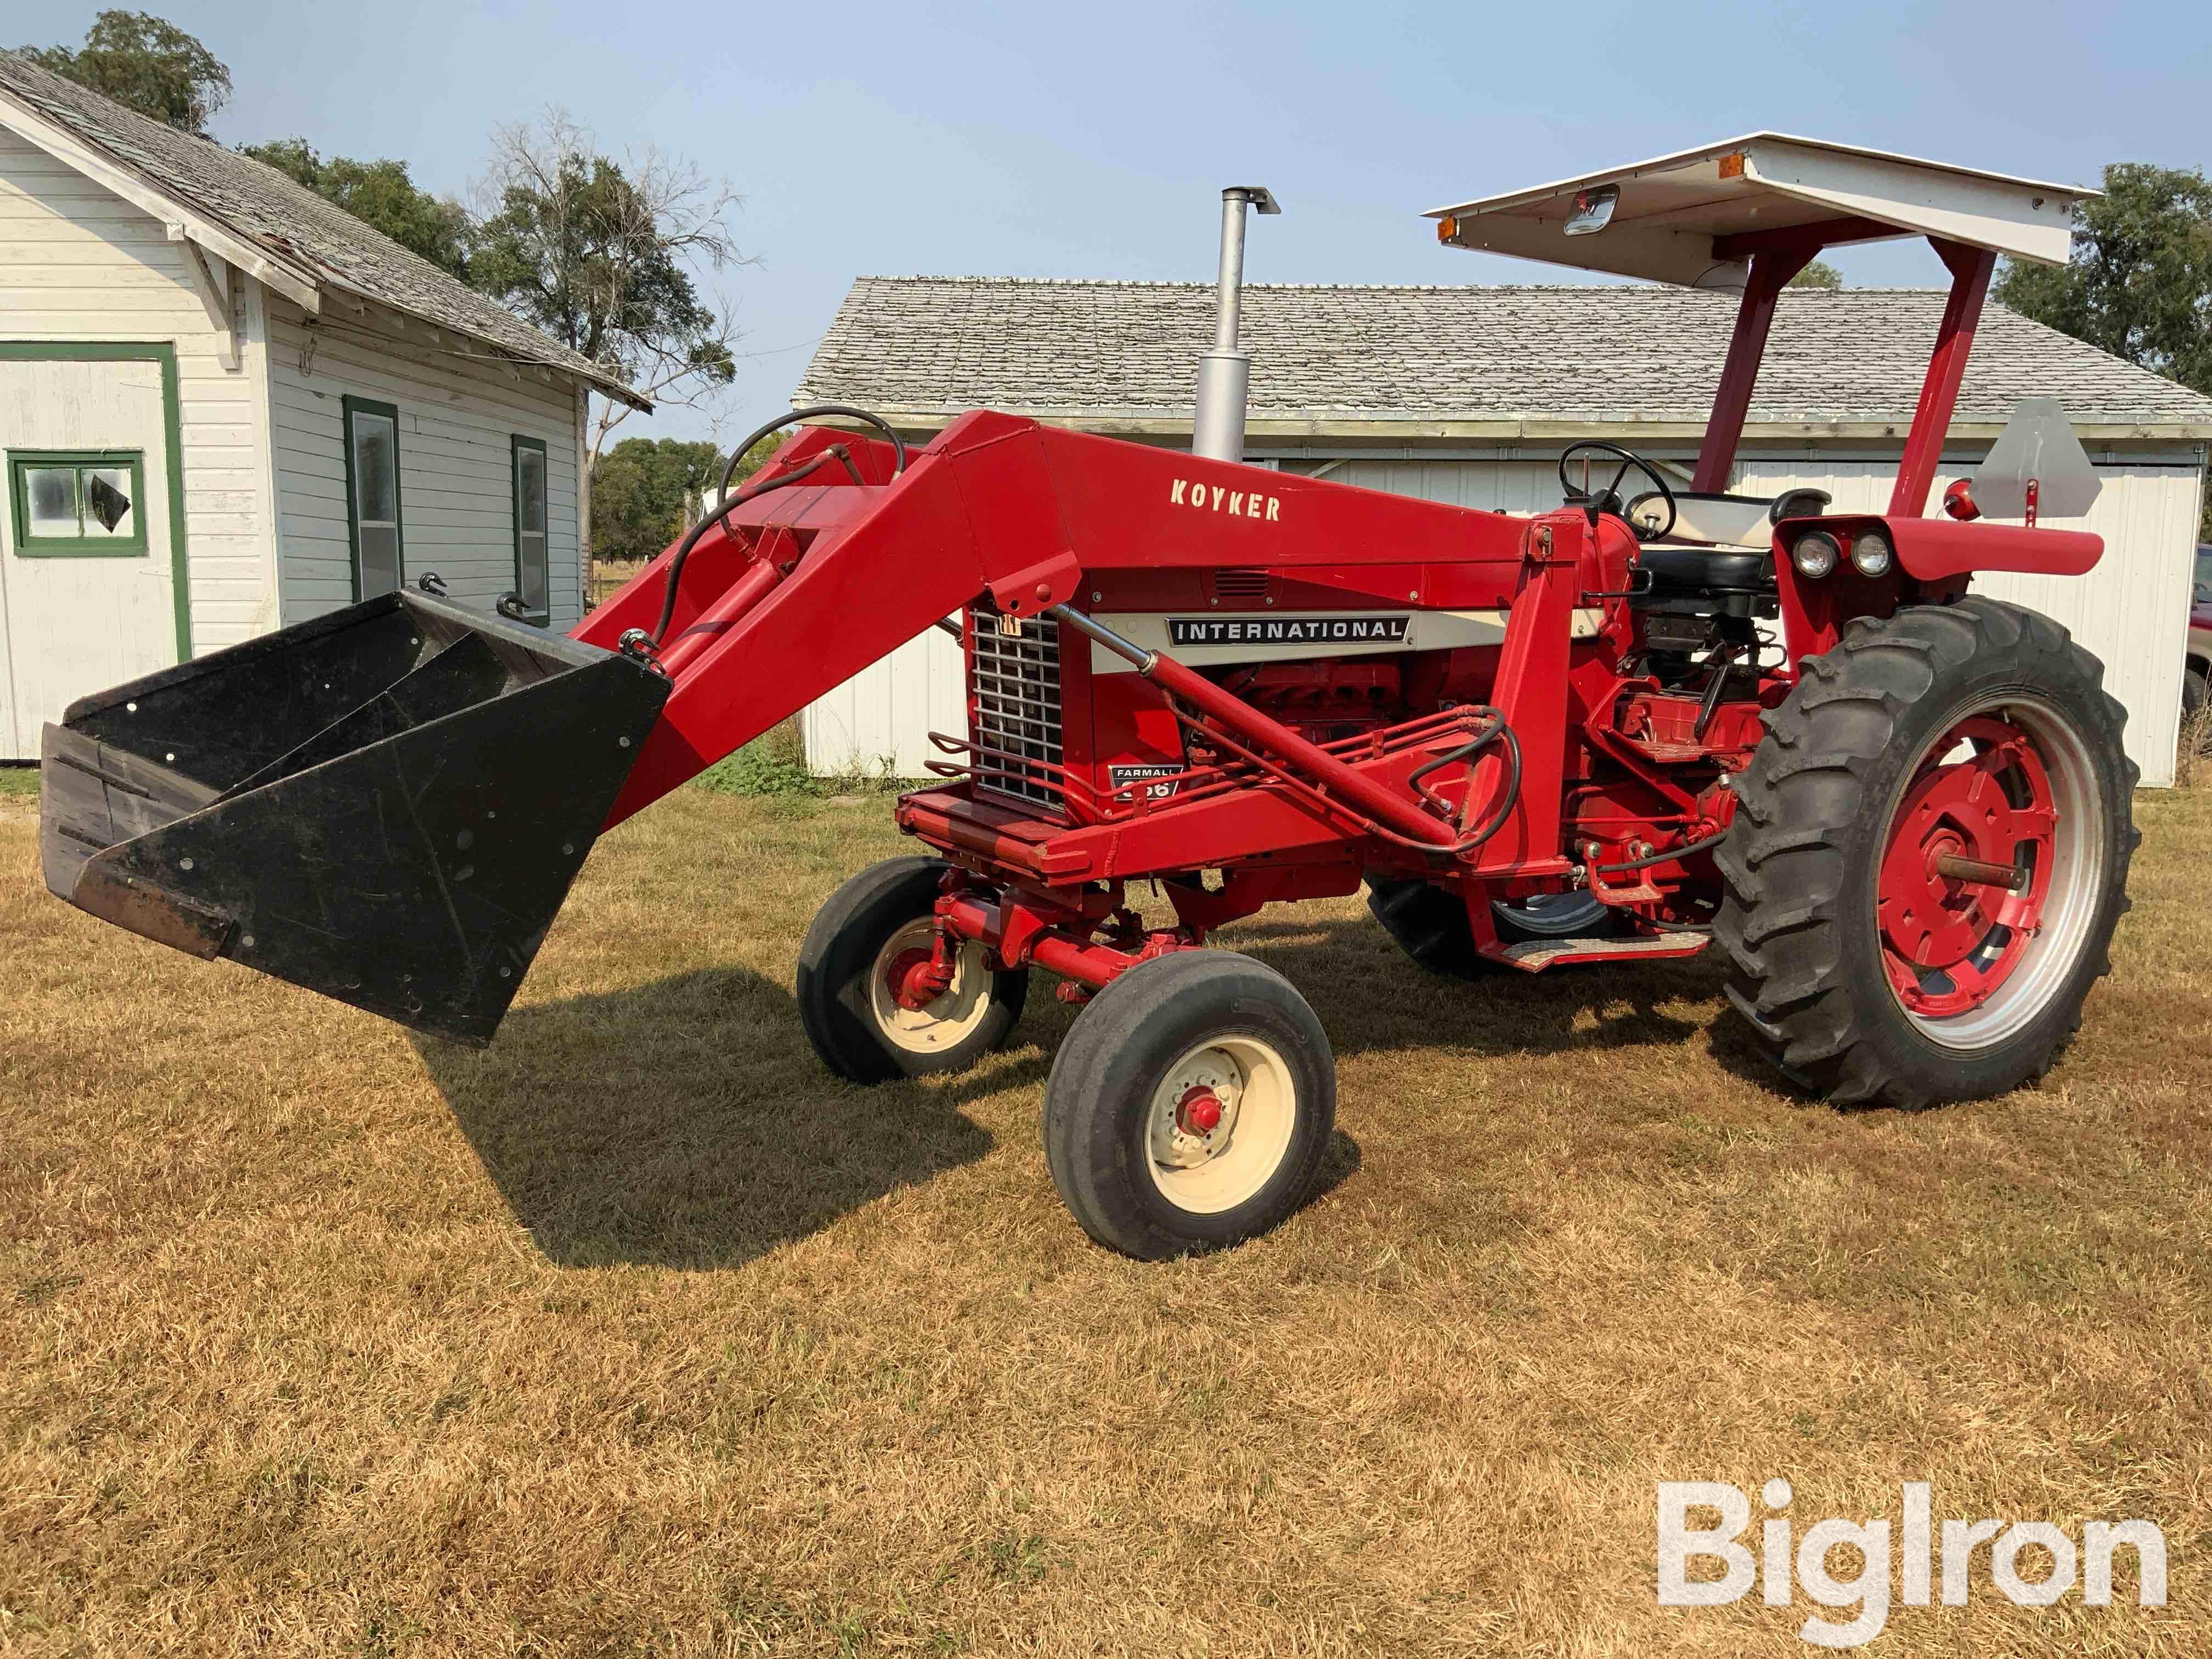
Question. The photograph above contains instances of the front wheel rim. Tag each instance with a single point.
(947, 1019)
(2009, 781)
(1219, 1124)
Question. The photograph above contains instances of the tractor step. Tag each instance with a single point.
(1534, 955)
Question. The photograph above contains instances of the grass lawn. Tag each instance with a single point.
(638, 1332)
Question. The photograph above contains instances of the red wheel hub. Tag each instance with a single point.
(914, 979)
(1199, 1111)
(1947, 942)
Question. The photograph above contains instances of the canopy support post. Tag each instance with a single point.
(1939, 393)
(1771, 272)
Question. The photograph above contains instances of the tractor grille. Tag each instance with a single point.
(1013, 692)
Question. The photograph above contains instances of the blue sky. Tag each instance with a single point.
(1090, 141)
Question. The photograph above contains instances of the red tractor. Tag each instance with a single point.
(1652, 720)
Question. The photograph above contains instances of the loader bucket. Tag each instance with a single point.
(386, 804)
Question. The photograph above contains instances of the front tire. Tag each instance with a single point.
(1190, 1105)
(1972, 735)
(850, 969)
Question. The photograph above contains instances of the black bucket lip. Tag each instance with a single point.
(560, 647)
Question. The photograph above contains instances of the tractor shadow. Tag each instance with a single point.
(1372, 998)
(686, 1123)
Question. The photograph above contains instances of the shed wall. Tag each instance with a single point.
(457, 418)
(77, 263)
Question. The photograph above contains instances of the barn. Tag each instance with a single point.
(1468, 395)
(226, 405)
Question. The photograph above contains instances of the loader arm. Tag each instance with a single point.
(807, 585)
(388, 804)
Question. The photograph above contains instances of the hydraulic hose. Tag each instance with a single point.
(730, 503)
(1667, 857)
(897, 443)
(1508, 798)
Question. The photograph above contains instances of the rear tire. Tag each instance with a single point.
(1190, 1105)
(1429, 923)
(847, 1000)
(1975, 730)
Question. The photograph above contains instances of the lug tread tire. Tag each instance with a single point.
(1808, 839)
(838, 954)
(1103, 1077)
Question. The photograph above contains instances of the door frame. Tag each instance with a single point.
(163, 352)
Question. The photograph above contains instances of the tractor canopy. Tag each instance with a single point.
(1698, 217)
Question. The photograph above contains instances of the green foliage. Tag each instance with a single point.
(2140, 282)
(759, 770)
(382, 196)
(145, 64)
(1819, 274)
(19, 779)
(597, 259)
(773, 764)
(645, 493)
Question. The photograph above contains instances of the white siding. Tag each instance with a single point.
(2132, 611)
(881, 717)
(456, 420)
(79, 263)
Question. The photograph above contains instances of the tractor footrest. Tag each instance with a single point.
(1534, 955)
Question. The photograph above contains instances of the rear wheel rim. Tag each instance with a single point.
(1219, 1124)
(946, 1020)
(2009, 781)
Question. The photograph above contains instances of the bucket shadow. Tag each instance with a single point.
(687, 1124)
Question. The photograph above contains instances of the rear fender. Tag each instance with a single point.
(1934, 559)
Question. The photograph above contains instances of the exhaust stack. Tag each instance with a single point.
(1224, 373)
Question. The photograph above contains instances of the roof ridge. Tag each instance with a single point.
(293, 225)
(1198, 285)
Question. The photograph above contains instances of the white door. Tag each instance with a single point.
(88, 593)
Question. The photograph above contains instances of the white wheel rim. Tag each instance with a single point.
(2077, 881)
(1203, 1174)
(946, 1020)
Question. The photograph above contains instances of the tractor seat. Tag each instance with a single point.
(1718, 543)
(1696, 569)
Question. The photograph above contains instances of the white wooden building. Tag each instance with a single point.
(297, 411)
(1468, 395)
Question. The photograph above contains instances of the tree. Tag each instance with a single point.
(646, 493)
(605, 257)
(1819, 274)
(145, 64)
(2140, 282)
(382, 196)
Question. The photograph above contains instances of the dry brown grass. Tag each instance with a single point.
(638, 1334)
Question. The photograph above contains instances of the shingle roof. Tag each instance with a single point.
(1107, 351)
(289, 221)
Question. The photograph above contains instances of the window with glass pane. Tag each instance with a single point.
(52, 493)
(76, 505)
(372, 476)
(531, 580)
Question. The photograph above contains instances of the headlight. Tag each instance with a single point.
(1816, 554)
(1870, 553)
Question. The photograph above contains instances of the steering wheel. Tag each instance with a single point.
(1607, 500)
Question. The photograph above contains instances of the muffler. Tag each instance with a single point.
(386, 804)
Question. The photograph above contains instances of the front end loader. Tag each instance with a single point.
(1652, 720)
